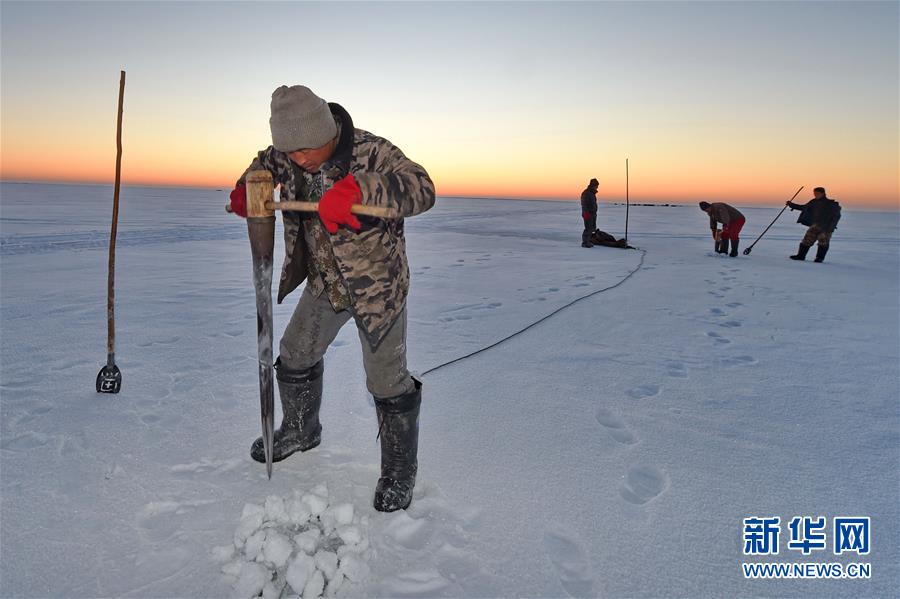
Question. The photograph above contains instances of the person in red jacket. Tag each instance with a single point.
(732, 222)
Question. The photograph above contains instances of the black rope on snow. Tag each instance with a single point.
(539, 321)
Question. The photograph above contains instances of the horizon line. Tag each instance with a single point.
(869, 206)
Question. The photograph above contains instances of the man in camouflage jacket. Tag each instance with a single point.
(821, 215)
(353, 268)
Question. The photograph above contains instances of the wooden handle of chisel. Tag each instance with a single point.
(361, 209)
(260, 188)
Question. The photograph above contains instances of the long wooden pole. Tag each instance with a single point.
(111, 284)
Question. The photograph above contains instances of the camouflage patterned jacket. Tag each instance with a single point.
(372, 261)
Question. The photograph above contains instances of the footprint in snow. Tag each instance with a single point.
(427, 582)
(26, 441)
(74, 444)
(568, 556)
(717, 337)
(739, 361)
(643, 483)
(465, 570)
(730, 324)
(717, 311)
(159, 520)
(412, 533)
(643, 391)
(616, 426)
(452, 318)
(676, 370)
(734, 305)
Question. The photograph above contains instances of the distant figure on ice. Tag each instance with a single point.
(589, 212)
(353, 268)
(732, 222)
(821, 215)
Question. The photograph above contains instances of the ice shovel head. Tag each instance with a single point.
(109, 379)
(747, 251)
(262, 242)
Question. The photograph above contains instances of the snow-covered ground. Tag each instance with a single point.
(612, 450)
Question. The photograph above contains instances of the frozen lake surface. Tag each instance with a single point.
(612, 450)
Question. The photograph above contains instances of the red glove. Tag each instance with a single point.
(239, 200)
(334, 207)
(585, 215)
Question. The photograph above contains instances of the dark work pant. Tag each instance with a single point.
(590, 223)
(816, 233)
(315, 324)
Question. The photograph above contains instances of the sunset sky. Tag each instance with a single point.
(734, 101)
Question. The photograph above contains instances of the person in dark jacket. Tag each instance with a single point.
(732, 222)
(821, 215)
(589, 212)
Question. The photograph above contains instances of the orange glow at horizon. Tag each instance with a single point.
(196, 150)
(171, 171)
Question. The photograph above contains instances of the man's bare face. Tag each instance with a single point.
(819, 195)
(312, 159)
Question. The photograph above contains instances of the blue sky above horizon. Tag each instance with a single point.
(709, 100)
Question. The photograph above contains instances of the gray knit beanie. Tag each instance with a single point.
(300, 119)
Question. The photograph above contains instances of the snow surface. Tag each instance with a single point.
(612, 450)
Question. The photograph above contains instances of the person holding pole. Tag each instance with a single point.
(354, 267)
(589, 212)
(732, 222)
(821, 215)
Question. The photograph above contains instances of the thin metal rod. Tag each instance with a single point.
(627, 200)
(111, 284)
(776, 218)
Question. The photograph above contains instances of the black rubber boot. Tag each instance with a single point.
(820, 253)
(587, 244)
(398, 424)
(734, 247)
(301, 397)
(723, 246)
(801, 253)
